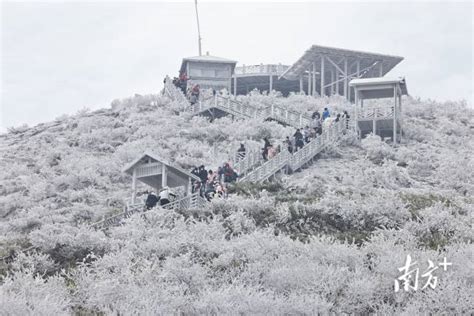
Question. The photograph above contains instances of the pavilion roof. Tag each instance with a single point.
(366, 59)
(367, 83)
(207, 59)
(178, 170)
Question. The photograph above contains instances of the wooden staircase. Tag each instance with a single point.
(252, 166)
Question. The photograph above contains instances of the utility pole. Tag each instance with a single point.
(199, 29)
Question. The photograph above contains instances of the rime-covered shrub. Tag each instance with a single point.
(27, 293)
(376, 149)
(327, 239)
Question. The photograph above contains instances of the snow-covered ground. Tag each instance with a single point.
(327, 239)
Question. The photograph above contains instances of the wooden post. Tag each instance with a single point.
(301, 83)
(400, 113)
(357, 76)
(164, 177)
(323, 59)
(134, 185)
(235, 85)
(314, 79)
(356, 114)
(358, 68)
(309, 82)
(337, 82)
(189, 187)
(271, 83)
(331, 90)
(394, 115)
(345, 77)
(374, 123)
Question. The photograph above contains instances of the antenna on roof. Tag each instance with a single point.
(199, 29)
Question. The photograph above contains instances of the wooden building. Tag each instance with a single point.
(157, 173)
(209, 71)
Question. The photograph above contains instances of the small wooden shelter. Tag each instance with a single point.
(157, 173)
(209, 71)
(380, 120)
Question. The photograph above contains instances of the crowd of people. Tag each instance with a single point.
(164, 197)
(191, 91)
(213, 183)
(304, 135)
(269, 151)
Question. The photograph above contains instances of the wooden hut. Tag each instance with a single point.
(209, 71)
(157, 173)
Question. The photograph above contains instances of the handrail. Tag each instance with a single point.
(251, 165)
(176, 94)
(193, 200)
(276, 112)
(276, 69)
(379, 112)
(243, 165)
(299, 158)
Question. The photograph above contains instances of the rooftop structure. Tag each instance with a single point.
(157, 173)
(328, 70)
(262, 77)
(209, 71)
(320, 71)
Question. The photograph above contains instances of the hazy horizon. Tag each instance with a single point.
(57, 58)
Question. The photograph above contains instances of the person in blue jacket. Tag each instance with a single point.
(326, 114)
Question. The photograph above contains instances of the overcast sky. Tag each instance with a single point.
(59, 57)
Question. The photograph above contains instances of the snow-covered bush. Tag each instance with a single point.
(327, 239)
(376, 149)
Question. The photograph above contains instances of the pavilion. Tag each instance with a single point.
(328, 70)
(382, 120)
(158, 173)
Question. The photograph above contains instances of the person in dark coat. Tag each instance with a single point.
(151, 200)
(346, 117)
(241, 152)
(266, 145)
(229, 174)
(202, 174)
(299, 143)
(289, 144)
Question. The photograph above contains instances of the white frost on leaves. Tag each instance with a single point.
(328, 239)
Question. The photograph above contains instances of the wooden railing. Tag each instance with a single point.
(175, 94)
(295, 161)
(251, 159)
(371, 113)
(116, 219)
(276, 69)
(233, 107)
(149, 170)
(190, 201)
